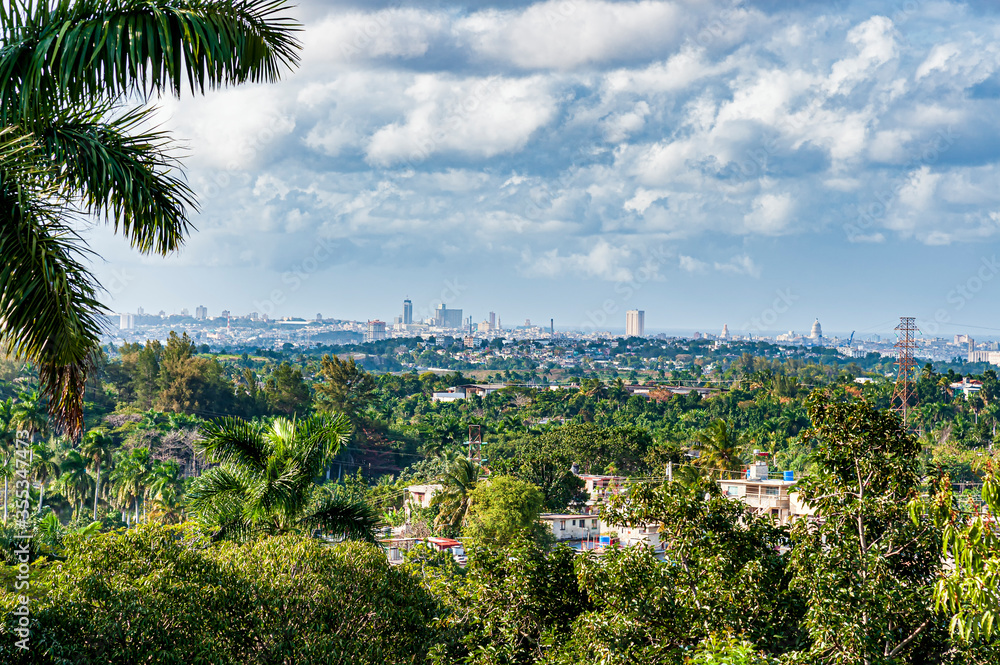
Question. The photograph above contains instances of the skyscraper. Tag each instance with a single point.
(635, 323)
(447, 318)
(376, 331)
(493, 320)
(201, 312)
(407, 312)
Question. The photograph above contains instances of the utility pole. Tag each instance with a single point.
(906, 344)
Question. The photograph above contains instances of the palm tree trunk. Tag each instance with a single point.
(97, 488)
(136, 502)
(5, 502)
(41, 496)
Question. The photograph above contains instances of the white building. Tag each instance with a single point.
(419, 496)
(635, 323)
(570, 526)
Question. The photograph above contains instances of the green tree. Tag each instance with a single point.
(265, 480)
(44, 466)
(128, 479)
(165, 488)
(29, 413)
(70, 74)
(721, 448)
(502, 510)
(97, 447)
(286, 391)
(455, 497)
(343, 387)
(74, 481)
(865, 569)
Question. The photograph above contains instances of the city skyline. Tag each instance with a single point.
(817, 150)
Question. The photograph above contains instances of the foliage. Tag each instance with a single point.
(866, 570)
(265, 480)
(162, 594)
(503, 509)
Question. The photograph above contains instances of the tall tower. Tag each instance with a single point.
(407, 312)
(906, 343)
(635, 323)
(493, 320)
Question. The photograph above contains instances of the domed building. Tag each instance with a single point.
(817, 330)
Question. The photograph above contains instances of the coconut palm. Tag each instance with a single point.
(455, 498)
(74, 480)
(265, 481)
(96, 447)
(73, 140)
(721, 448)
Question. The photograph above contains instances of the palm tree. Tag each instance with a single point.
(96, 447)
(128, 479)
(70, 140)
(455, 498)
(165, 487)
(721, 448)
(265, 481)
(75, 481)
(29, 413)
(44, 466)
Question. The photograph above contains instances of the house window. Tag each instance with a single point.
(562, 525)
(593, 524)
(732, 490)
(771, 491)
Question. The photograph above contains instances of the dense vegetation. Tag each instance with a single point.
(171, 430)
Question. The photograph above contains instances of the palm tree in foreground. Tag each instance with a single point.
(265, 481)
(96, 447)
(72, 140)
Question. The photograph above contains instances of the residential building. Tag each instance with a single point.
(419, 496)
(599, 487)
(966, 386)
(571, 526)
(768, 496)
(201, 312)
(127, 322)
(635, 323)
(376, 331)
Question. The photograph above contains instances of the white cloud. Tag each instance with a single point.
(739, 265)
(482, 117)
(603, 261)
(691, 264)
(770, 213)
(392, 33)
(563, 35)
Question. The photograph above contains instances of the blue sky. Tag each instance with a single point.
(759, 164)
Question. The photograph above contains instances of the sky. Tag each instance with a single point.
(759, 164)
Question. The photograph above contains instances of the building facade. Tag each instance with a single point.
(376, 331)
(635, 323)
(407, 312)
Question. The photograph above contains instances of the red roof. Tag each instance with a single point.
(443, 542)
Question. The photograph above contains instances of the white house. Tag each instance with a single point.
(570, 526)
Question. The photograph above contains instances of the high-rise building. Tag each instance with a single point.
(319, 317)
(447, 318)
(635, 323)
(407, 312)
(376, 331)
(140, 311)
(201, 312)
(725, 331)
(493, 320)
(253, 316)
(226, 314)
(127, 322)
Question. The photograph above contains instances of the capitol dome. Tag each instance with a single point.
(817, 330)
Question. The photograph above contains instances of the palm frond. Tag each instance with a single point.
(48, 300)
(234, 441)
(352, 520)
(119, 171)
(87, 49)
